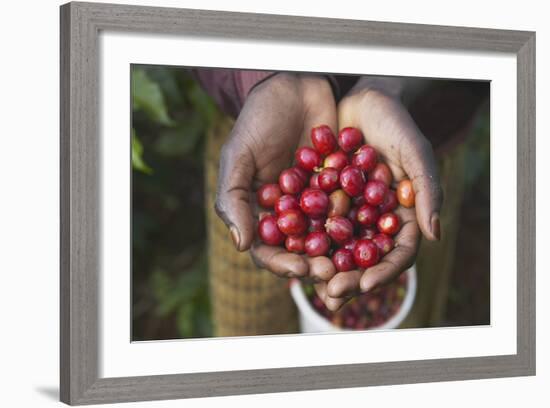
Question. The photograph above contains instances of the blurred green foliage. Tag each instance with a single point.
(170, 117)
(478, 160)
(469, 296)
(147, 97)
(137, 155)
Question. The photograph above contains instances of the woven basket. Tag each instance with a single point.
(245, 300)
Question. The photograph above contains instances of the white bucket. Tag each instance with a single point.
(313, 322)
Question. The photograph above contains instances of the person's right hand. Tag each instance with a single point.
(276, 118)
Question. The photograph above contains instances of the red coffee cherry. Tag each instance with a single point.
(339, 228)
(304, 175)
(381, 172)
(296, 244)
(314, 180)
(286, 202)
(338, 203)
(367, 232)
(291, 182)
(383, 242)
(405, 193)
(350, 139)
(352, 215)
(367, 215)
(389, 203)
(263, 214)
(323, 139)
(328, 179)
(352, 180)
(316, 224)
(350, 244)
(365, 253)
(365, 158)
(292, 222)
(343, 260)
(307, 158)
(337, 160)
(269, 231)
(388, 223)
(268, 194)
(314, 202)
(358, 201)
(375, 192)
(317, 244)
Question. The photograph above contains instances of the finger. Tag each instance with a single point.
(391, 266)
(321, 268)
(279, 261)
(366, 117)
(320, 114)
(234, 193)
(332, 304)
(419, 163)
(344, 284)
(399, 259)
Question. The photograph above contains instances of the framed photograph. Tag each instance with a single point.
(261, 203)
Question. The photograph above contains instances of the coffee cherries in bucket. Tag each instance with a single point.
(337, 202)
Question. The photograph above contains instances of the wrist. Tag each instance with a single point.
(403, 89)
(246, 81)
(295, 93)
(315, 88)
(393, 87)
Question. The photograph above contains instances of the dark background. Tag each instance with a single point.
(170, 299)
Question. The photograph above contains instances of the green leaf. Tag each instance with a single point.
(166, 78)
(147, 96)
(137, 152)
(181, 140)
(161, 284)
(202, 103)
(167, 298)
(183, 293)
(185, 319)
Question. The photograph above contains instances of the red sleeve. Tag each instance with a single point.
(230, 87)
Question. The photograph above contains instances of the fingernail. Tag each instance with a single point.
(235, 236)
(436, 226)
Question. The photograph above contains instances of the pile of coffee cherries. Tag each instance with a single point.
(366, 311)
(336, 201)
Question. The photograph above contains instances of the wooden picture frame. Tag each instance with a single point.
(80, 158)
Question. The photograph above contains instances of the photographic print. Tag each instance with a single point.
(268, 202)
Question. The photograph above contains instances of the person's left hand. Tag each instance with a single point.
(374, 107)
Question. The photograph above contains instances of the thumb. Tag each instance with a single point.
(233, 196)
(420, 165)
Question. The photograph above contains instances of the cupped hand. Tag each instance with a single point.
(373, 106)
(276, 118)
